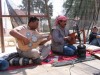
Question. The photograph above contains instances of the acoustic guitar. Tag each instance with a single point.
(35, 40)
(73, 38)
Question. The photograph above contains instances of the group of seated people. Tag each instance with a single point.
(59, 37)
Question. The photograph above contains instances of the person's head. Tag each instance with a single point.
(94, 29)
(61, 20)
(33, 23)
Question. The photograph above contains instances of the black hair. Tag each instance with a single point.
(33, 19)
(95, 27)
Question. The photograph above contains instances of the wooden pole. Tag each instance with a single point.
(48, 17)
(28, 8)
(1, 31)
(84, 37)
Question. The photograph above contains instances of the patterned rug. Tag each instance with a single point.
(49, 60)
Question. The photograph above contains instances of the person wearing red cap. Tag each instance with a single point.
(60, 38)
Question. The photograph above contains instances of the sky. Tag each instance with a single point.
(57, 7)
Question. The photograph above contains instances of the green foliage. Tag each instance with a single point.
(86, 10)
(36, 6)
(78, 8)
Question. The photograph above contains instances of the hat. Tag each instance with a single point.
(63, 18)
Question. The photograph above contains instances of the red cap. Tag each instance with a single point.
(63, 18)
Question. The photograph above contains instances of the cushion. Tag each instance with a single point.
(20, 61)
(92, 48)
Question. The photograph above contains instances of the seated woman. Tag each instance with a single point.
(60, 38)
(94, 37)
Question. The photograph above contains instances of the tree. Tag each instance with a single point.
(36, 6)
(86, 10)
(75, 8)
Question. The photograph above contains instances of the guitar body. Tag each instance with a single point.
(29, 34)
(24, 47)
(73, 38)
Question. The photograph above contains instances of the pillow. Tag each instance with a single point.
(92, 48)
(20, 61)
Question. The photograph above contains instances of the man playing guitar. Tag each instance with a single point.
(29, 40)
(61, 37)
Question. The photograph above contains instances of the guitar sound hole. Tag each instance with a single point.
(34, 39)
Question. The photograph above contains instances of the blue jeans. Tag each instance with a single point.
(4, 64)
(69, 50)
(95, 42)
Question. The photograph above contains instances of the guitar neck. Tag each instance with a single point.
(43, 36)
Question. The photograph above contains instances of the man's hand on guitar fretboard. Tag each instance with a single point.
(47, 38)
(67, 38)
(71, 39)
